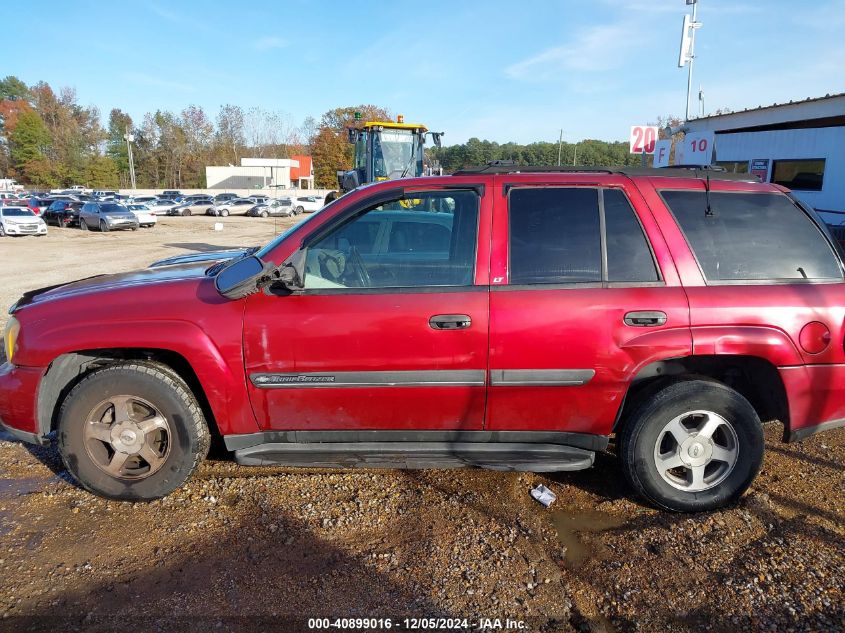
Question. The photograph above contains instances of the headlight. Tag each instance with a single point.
(10, 337)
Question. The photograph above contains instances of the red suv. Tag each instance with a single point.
(491, 318)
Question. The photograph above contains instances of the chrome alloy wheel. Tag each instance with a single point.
(127, 437)
(696, 451)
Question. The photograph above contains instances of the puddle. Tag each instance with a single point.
(7, 523)
(568, 524)
(11, 488)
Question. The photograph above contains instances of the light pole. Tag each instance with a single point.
(559, 146)
(130, 138)
(687, 54)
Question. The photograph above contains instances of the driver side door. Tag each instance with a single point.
(391, 328)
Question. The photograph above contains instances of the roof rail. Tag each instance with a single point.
(714, 172)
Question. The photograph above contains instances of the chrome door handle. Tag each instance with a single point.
(450, 322)
(645, 318)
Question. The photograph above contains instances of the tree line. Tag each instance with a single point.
(49, 140)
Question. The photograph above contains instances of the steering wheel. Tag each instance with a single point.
(362, 275)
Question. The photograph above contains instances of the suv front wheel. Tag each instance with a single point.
(693, 446)
(132, 431)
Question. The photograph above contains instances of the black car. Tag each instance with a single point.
(170, 194)
(62, 213)
(224, 197)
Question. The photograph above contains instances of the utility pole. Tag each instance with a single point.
(130, 138)
(559, 146)
(687, 54)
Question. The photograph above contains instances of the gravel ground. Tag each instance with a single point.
(259, 548)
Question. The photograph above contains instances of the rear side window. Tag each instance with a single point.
(752, 236)
(555, 235)
(629, 258)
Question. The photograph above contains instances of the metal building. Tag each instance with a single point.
(800, 145)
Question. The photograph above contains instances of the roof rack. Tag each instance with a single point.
(714, 172)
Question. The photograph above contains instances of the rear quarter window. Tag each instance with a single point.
(752, 237)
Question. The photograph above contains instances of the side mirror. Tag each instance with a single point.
(240, 278)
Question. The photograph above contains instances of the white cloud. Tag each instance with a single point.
(269, 42)
(597, 48)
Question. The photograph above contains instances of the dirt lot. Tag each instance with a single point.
(263, 548)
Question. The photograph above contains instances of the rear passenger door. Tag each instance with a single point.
(583, 295)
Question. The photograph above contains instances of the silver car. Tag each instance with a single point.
(190, 207)
(106, 216)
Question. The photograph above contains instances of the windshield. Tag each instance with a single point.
(14, 211)
(393, 154)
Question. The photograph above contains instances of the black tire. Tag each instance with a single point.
(331, 196)
(83, 225)
(299, 210)
(187, 433)
(645, 427)
(224, 213)
(187, 212)
(104, 228)
(264, 214)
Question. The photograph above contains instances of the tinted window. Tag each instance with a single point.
(628, 255)
(752, 236)
(554, 236)
(427, 240)
(113, 208)
(801, 175)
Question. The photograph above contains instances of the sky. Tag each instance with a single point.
(493, 69)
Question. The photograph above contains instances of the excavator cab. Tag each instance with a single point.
(385, 150)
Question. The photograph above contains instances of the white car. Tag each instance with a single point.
(145, 216)
(308, 204)
(20, 221)
(160, 207)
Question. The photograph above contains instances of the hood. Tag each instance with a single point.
(117, 281)
(208, 257)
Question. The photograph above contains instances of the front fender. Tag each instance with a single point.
(219, 371)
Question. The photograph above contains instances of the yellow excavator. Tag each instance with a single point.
(384, 150)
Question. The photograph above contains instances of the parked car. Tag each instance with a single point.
(309, 204)
(106, 216)
(170, 194)
(20, 220)
(222, 197)
(160, 207)
(259, 199)
(190, 207)
(146, 218)
(675, 309)
(280, 207)
(231, 207)
(62, 213)
(148, 200)
(34, 205)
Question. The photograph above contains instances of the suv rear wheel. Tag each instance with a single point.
(132, 431)
(693, 446)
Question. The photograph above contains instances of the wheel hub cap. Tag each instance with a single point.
(126, 437)
(695, 452)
